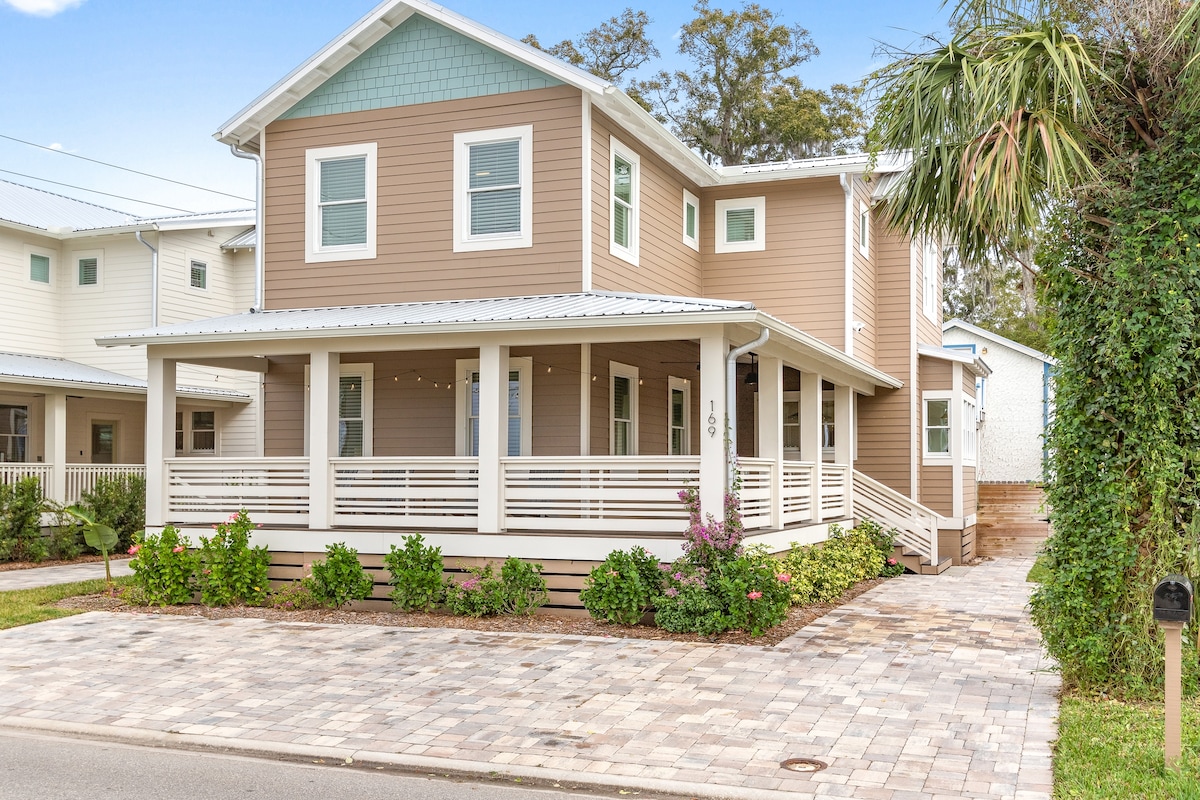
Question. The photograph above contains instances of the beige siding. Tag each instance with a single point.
(864, 304)
(970, 491)
(238, 429)
(937, 489)
(130, 419)
(936, 374)
(555, 399)
(29, 311)
(283, 414)
(656, 362)
(415, 246)
(230, 284)
(801, 275)
(666, 265)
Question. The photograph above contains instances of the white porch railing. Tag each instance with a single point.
(82, 477)
(272, 490)
(406, 492)
(591, 493)
(916, 526)
(835, 491)
(14, 471)
(756, 475)
(797, 492)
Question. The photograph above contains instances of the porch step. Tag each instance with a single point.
(915, 562)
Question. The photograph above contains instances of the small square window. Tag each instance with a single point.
(39, 268)
(199, 275)
(691, 220)
(741, 225)
(89, 271)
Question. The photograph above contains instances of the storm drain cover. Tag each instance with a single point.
(803, 765)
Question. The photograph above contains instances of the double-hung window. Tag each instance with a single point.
(937, 426)
(340, 212)
(355, 409)
(519, 405)
(679, 416)
(625, 202)
(493, 189)
(14, 433)
(741, 225)
(623, 391)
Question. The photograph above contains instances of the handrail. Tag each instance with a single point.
(916, 525)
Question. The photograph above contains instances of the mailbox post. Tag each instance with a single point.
(1173, 610)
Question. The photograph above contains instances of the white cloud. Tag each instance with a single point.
(42, 8)
(56, 146)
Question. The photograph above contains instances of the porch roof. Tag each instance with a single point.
(60, 373)
(539, 312)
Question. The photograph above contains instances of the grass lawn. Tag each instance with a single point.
(1111, 749)
(26, 606)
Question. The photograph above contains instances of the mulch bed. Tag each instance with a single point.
(546, 622)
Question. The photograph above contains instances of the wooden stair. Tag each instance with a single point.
(915, 562)
(1012, 519)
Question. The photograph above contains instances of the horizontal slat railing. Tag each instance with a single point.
(797, 492)
(835, 491)
(916, 526)
(82, 477)
(589, 493)
(207, 490)
(13, 471)
(406, 492)
(756, 474)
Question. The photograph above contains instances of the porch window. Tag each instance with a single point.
(741, 225)
(679, 414)
(937, 427)
(625, 190)
(791, 426)
(178, 432)
(204, 431)
(520, 407)
(623, 385)
(14, 433)
(493, 189)
(351, 415)
(691, 220)
(828, 426)
(340, 186)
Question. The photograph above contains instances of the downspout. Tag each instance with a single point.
(731, 402)
(848, 188)
(153, 279)
(258, 223)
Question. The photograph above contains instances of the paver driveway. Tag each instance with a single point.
(922, 687)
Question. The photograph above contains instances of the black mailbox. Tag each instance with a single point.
(1173, 599)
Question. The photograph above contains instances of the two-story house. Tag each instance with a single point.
(506, 308)
(71, 271)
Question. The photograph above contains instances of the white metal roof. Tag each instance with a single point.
(59, 372)
(977, 364)
(245, 239)
(208, 219)
(997, 339)
(54, 213)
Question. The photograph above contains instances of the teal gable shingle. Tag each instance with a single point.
(419, 62)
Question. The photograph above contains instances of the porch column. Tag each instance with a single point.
(323, 378)
(713, 419)
(770, 429)
(585, 399)
(160, 435)
(843, 437)
(493, 435)
(56, 446)
(810, 434)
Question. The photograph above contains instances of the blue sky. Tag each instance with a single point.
(144, 83)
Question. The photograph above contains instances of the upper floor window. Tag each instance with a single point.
(198, 275)
(493, 189)
(864, 229)
(691, 220)
(39, 268)
(88, 267)
(340, 210)
(741, 225)
(930, 267)
(625, 202)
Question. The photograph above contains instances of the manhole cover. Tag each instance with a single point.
(803, 765)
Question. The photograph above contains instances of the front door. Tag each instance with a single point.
(103, 442)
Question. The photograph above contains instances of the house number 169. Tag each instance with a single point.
(712, 418)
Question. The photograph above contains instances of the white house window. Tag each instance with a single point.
(623, 391)
(929, 276)
(937, 427)
(198, 275)
(691, 220)
(88, 270)
(340, 208)
(179, 432)
(828, 423)
(625, 202)
(355, 409)
(679, 416)
(519, 407)
(864, 229)
(39, 268)
(204, 431)
(14, 433)
(741, 225)
(493, 189)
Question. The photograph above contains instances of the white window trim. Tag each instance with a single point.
(618, 370)
(367, 372)
(630, 253)
(190, 260)
(30, 252)
(314, 252)
(188, 429)
(970, 432)
(463, 368)
(76, 257)
(673, 385)
(864, 228)
(721, 243)
(940, 459)
(464, 242)
(929, 281)
(690, 199)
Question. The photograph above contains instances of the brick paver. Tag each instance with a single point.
(922, 687)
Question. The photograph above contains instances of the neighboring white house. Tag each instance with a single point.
(1016, 403)
(72, 271)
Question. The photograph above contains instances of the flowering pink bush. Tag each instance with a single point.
(164, 571)
(133, 550)
(709, 541)
(753, 595)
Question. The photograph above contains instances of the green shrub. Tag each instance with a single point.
(523, 587)
(20, 521)
(480, 595)
(416, 574)
(65, 542)
(231, 572)
(822, 572)
(340, 579)
(745, 593)
(118, 501)
(294, 596)
(164, 569)
(623, 588)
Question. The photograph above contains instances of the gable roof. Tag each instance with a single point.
(245, 127)
(55, 213)
(997, 339)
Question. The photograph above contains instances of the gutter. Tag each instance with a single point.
(731, 403)
(153, 279)
(259, 232)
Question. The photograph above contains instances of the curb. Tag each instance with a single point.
(543, 776)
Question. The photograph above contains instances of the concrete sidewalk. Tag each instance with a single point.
(925, 687)
(35, 577)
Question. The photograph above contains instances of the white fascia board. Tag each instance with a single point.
(997, 339)
(976, 364)
(830, 354)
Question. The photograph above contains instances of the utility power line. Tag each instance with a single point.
(95, 191)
